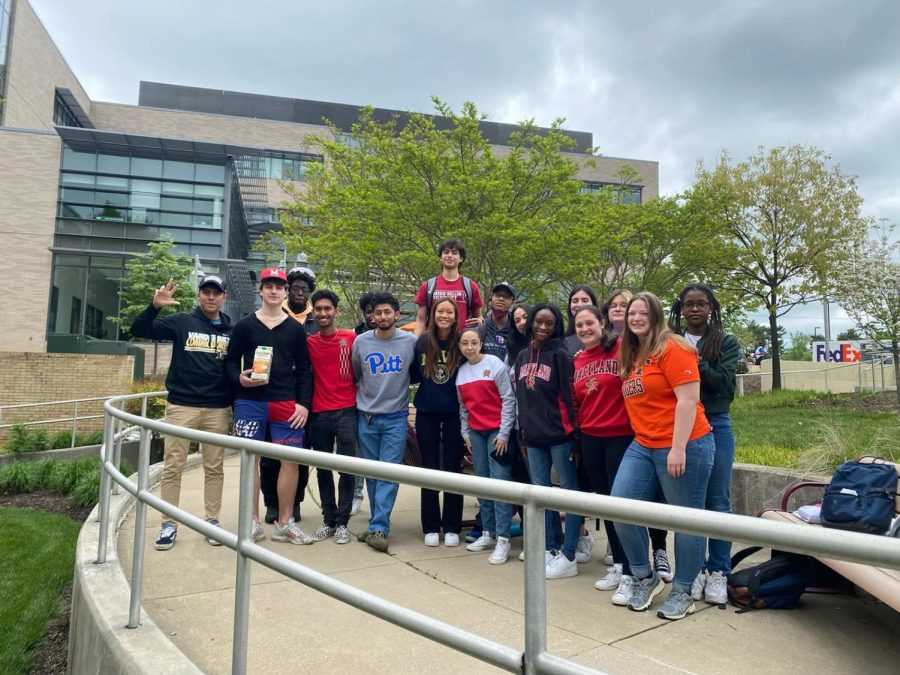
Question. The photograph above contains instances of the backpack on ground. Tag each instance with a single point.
(431, 284)
(860, 496)
(775, 584)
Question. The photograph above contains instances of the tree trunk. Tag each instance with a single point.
(895, 351)
(776, 356)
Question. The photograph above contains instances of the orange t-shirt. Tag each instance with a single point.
(650, 397)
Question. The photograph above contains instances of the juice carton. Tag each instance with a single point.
(262, 362)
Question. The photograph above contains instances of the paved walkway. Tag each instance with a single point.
(189, 592)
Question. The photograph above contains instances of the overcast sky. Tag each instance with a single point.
(669, 81)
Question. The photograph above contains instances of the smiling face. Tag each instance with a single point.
(639, 318)
(324, 313)
(617, 308)
(444, 315)
(588, 329)
(695, 308)
(450, 258)
(543, 326)
(211, 300)
(470, 344)
(578, 300)
(520, 318)
(384, 316)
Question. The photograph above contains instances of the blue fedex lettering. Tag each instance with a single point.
(379, 364)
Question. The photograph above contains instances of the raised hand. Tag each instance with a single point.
(163, 295)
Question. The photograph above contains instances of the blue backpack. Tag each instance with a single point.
(861, 497)
(775, 584)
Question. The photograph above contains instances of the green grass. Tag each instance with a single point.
(78, 478)
(37, 552)
(785, 428)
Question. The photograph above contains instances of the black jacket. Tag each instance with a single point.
(495, 340)
(545, 395)
(717, 378)
(197, 371)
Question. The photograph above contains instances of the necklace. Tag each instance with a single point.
(271, 320)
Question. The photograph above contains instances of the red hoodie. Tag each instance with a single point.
(598, 390)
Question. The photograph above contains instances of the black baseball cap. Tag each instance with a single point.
(213, 280)
(506, 287)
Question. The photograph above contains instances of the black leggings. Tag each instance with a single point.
(601, 457)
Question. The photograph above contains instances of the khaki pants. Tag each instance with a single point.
(214, 420)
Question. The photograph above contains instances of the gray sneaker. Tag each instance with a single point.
(699, 585)
(644, 591)
(677, 606)
(291, 533)
(377, 540)
(341, 535)
(323, 532)
(716, 591)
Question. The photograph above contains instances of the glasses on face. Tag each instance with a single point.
(700, 304)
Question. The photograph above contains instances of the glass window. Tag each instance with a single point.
(203, 206)
(73, 211)
(108, 230)
(175, 204)
(68, 241)
(144, 200)
(209, 191)
(113, 164)
(115, 199)
(141, 232)
(70, 284)
(104, 244)
(79, 179)
(144, 166)
(205, 251)
(202, 220)
(77, 196)
(206, 237)
(109, 212)
(113, 182)
(178, 170)
(211, 173)
(175, 234)
(102, 301)
(178, 189)
(111, 263)
(73, 227)
(80, 161)
(135, 245)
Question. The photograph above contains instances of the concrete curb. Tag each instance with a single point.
(99, 642)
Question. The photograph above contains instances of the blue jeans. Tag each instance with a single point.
(539, 461)
(495, 516)
(718, 494)
(382, 437)
(641, 475)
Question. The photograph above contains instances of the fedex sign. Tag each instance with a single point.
(840, 352)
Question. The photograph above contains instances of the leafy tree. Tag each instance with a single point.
(868, 288)
(849, 334)
(146, 272)
(787, 219)
(388, 195)
(800, 349)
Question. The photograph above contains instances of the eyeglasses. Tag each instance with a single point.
(702, 304)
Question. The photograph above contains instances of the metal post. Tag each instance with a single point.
(140, 527)
(535, 588)
(104, 487)
(117, 455)
(74, 423)
(242, 581)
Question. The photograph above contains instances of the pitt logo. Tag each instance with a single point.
(378, 364)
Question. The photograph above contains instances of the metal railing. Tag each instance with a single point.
(863, 371)
(535, 658)
(74, 417)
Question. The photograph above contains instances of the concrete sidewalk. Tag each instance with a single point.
(189, 593)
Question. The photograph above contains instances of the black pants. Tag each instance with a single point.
(328, 427)
(268, 478)
(601, 458)
(440, 442)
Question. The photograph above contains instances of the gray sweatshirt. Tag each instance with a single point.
(382, 369)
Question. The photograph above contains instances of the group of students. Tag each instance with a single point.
(623, 399)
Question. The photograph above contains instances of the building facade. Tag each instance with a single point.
(86, 184)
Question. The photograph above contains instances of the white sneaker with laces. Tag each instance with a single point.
(608, 557)
(561, 567)
(257, 533)
(501, 551)
(451, 539)
(548, 556)
(584, 547)
(611, 581)
(483, 543)
(623, 592)
(432, 539)
(291, 533)
(698, 586)
(341, 535)
(716, 591)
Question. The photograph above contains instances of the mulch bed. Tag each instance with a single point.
(53, 648)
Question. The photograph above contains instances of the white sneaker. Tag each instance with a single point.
(483, 543)
(451, 539)
(501, 551)
(291, 533)
(561, 567)
(257, 533)
(354, 507)
(698, 586)
(548, 556)
(716, 591)
(608, 558)
(623, 592)
(432, 539)
(611, 581)
(583, 548)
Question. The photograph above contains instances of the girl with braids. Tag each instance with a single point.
(437, 419)
(672, 448)
(546, 409)
(719, 354)
(580, 296)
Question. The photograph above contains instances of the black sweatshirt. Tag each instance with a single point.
(290, 375)
(545, 394)
(196, 374)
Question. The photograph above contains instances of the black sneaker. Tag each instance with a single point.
(271, 514)
(661, 565)
(167, 534)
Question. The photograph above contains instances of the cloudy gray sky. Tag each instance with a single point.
(670, 81)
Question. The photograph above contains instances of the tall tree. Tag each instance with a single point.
(387, 195)
(788, 218)
(867, 286)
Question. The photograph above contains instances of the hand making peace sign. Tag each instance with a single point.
(163, 295)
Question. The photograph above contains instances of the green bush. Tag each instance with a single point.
(42, 472)
(65, 476)
(87, 490)
(156, 406)
(92, 438)
(21, 439)
(18, 478)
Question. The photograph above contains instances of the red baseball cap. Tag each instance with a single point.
(272, 273)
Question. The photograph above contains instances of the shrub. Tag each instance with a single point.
(17, 478)
(835, 445)
(42, 472)
(156, 406)
(65, 476)
(92, 438)
(87, 490)
(21, 439)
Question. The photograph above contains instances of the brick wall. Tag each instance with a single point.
(27, 377)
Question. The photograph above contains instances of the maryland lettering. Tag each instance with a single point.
(604, 367)
(540, 370)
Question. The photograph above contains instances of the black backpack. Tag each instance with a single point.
(776, 584)
(860, 497)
